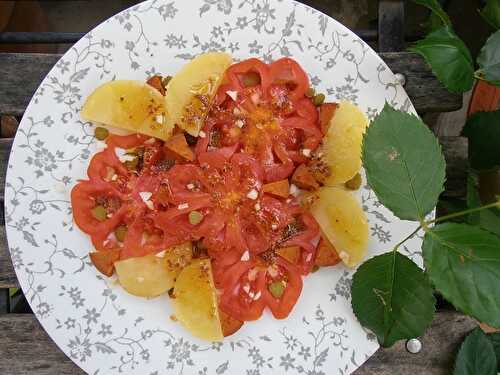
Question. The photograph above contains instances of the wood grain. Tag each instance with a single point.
(24, 340)
(439, 347)
(25, 71)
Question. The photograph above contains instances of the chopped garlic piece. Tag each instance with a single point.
(122, 155)
(274, 226)
(202, 134)
(294, 190)
(246, 288)
(145, 195)
(232, 94)
(114, 177)
(306, 152)
(257, 206)
(257, 295)
(246, 256)
(190, 186)
(159, 119)
(161, 254)
(344, 256)
(239, 123)
(150, 141)
(252, 194)
(183, 206)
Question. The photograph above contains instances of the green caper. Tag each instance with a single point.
(315, 268)
(354, 183)
(132, 164)
(311, 92)
(99, 213)
(195, 217)
(319, 99)
(101, 133)
(277, 289)
(120, 232)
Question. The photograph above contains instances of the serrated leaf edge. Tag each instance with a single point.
(363, 155)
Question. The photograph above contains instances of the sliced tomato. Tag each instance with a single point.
(288, 71)
(235, 72)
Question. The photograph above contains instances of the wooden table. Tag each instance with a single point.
(25, 348)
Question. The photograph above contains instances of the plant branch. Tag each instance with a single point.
(407, 238)
(462, 213)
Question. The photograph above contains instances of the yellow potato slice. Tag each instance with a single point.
(342, 145)
(152, 275)
(128, 105)
(196, 301)
(343, 221)
(192, 89)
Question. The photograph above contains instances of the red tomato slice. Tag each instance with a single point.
(234, 72)
(288, 71)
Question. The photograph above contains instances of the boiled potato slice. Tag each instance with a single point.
(342, 145)
(343, 222)
(129, 105)
(152, 275)
(191, 90)
(196, 301)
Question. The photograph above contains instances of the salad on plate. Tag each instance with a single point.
(232, 183)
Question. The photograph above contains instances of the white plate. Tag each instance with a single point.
(99, 326)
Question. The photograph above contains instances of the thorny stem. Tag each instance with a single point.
(462, 213)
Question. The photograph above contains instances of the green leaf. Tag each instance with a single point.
(491, 13)
(13, 291)
(392, 296)
(489, 218)
(436, 10)
(483, 131)
(449, 58)
(403, 163)
(489, 60)
(495, 340)
(463, 263)
(476, 355)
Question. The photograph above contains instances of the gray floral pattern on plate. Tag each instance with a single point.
(99, 326)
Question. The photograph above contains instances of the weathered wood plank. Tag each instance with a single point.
(391, 25)
(23, 338)
(8, 277)
(22, 73)
(439, 347)
(423, 88)
(455, 150)
(5, 146)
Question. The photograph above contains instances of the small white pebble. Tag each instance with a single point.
(246, 288)
(183, 206)
(232, 94)
(114, 177)
(294, 190)
(253, 194)
(306, 152)
(414, 346)
(202, 134)
(257, 295)
(257, 206)
(239, 123)
(246, 256)
(190, 186)
(161, 254)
